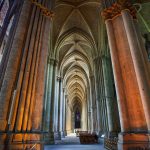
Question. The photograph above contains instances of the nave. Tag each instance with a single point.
(71, 66)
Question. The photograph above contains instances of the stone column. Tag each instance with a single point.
(62, 112)
(105, 115)
(68, 116)
(93, 104)
(36, 116)
(99, 89)
(48, 87)
(117, 77)
(64, 133)
(84, 115)
(52, 101)
(24, 91)
(49, 102)
(57, 132)
(8, 91)
(129, 75)
(139, 61)
(89, 109)
(111, 103)
(30, 73)
(63, 109)
(13, 64)
(56, 105)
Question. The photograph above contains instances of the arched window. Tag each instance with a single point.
(77, 119)
(3, 12)
(5, 25)
(2, 47)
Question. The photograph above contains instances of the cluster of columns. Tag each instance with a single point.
(131, 75)
(55, 104)
(30, 81)
(22, 86)
(107, 114)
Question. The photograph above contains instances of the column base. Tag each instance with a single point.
(100, 133)
(49, 138)
(2, 145)
(68, 132)
(19, 142)
(133, 141)
(112, 134)
(63, 134)
(57, 135)
(110, 140)
(4, 141)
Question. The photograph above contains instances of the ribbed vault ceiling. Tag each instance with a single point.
(76, 42)
(75, 37)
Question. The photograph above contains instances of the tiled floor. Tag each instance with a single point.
(71, 142)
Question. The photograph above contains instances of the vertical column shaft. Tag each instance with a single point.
(93, 104)
(26, 76)
(139, 63)
(48, 94)
(13, 63)
(118, 77)
(131, 75)
(36, 116)
(58, 134)
(113, 122)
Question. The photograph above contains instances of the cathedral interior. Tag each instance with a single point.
(74, 66)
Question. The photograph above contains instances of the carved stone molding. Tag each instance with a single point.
(51, 60)
(59, 79)
(116, 8)
(46, 12)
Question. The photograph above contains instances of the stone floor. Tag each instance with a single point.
(70, 139)
(71, 142)
(74, 147)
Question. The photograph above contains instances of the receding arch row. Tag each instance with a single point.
(60, 41)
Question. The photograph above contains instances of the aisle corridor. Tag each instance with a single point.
(71, 142)
(74, 147)
(74, 66)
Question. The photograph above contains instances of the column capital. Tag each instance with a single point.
(115, 9)
(52, 61)
(59, 78)
(63, 89)
(45, 11)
